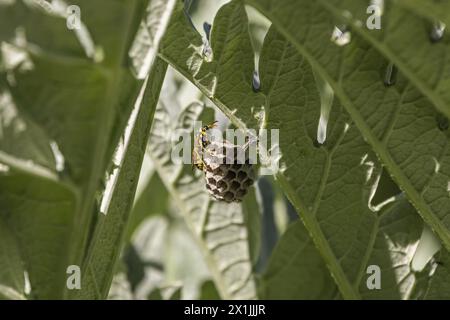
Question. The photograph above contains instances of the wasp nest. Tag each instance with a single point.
(227, 179)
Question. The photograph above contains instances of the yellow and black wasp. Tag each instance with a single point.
(201, 141)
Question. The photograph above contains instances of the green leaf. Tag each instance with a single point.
(399, 123)
(10, 294)
(296, 270)
(439, 286)
(209, 291)
(433, 10)
(107, 240)
(21, 138)
(395, 239)
(363, 129)
(329, 184)
(404, 39)
(62, 98)
(221, 229)
(11, 266)
(151, 30)
(6, 28)
(39, 214)
(19, 21)
(76, 127)
(37, 220)
(228, 77)
(112, 25)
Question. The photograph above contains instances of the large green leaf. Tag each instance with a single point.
(221, 229)
(66, 97)
(404, 129)
(330, 184)
(296, 270)
(12, 282)
(59, 103)
(38, 214)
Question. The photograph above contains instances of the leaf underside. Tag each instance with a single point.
(330, 184)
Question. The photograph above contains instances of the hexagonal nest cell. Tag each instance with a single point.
(227, 179)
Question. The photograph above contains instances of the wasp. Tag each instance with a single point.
(201, 141)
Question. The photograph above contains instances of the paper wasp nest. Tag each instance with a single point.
(226, 178)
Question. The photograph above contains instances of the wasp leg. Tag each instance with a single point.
(208, 151)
